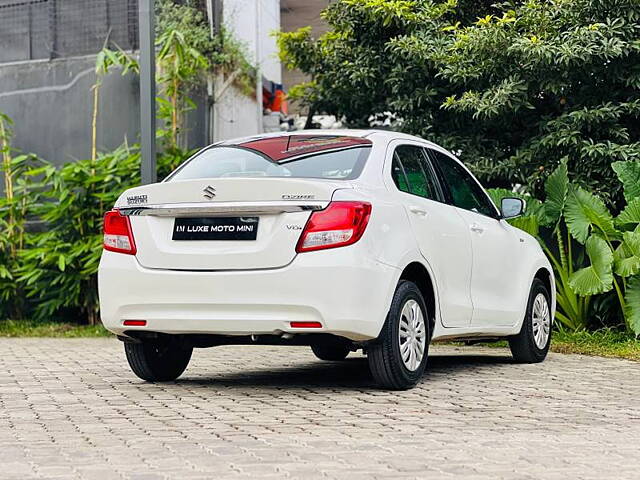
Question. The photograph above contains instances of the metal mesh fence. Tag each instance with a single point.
(41, 29)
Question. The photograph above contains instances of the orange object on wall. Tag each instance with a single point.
(275, 101)
(279, 103)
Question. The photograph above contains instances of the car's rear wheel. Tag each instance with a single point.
(157, 361)
(399, 357)
(532, 343)
(332, 350)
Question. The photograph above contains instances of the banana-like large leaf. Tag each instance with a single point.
(598, 277)
(629, 174)
(556, 188)
(529, 224)
(632, 308)
(497, 194)
(627, 255)
(584, 213)
(533, 216)
(630, 216)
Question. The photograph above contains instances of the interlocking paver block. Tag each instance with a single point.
(70, 408)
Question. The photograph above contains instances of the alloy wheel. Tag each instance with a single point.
(541, 321)
(413, 335)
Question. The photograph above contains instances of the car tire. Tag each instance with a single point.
(332, 351)
(390, 364)
(157, 361)
(532, 343)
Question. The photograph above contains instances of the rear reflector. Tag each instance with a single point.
(338, 225)
(118, 236)
(306, 325)
(135, 323)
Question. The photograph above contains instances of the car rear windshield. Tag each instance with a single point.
(298, 156)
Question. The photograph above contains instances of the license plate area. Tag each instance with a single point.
(215, 228)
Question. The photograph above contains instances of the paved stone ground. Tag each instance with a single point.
(71, 409)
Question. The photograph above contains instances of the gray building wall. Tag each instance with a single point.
(51, 104)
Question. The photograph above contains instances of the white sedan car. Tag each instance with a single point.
(339, 240)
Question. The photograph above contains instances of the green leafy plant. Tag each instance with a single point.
(106, 59)
(59, 264)
(179, 63)
(226, 55)
(187, 53)
(573, 310)
(21, 184)
(613, 246)
(595, 253)
(57, 269)
(10, 226)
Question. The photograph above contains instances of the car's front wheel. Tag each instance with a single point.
(399, 357)
(532, 343)
(157, 361)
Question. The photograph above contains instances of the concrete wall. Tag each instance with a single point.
(51, 103)
(39, 29)
(235, 115)
(253, 22)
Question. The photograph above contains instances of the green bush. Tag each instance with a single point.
(21, 175)
(55, 267)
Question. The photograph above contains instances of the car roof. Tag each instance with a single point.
(372, 134)
(282, 148)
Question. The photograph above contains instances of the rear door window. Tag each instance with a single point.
(412, 174)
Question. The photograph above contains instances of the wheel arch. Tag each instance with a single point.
(418, 273)
(543, 274)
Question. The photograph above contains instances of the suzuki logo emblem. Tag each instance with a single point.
(209, 192)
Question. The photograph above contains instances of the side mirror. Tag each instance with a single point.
(512, 207)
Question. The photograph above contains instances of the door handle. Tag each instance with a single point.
(476, 228)
(418, 211)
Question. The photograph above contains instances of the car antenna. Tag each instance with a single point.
(288, 140)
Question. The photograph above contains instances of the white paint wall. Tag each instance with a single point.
(251, 22)
(235, 115)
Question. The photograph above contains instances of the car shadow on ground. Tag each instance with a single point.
(350, 374)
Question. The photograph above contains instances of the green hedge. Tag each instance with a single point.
(51, 235)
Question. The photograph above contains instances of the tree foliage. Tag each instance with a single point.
(513, 88)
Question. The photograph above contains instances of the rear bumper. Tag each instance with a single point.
(344, 291)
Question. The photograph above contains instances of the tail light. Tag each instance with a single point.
(338, 225)
(118, 236)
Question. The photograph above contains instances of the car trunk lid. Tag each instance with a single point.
(278, 207)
